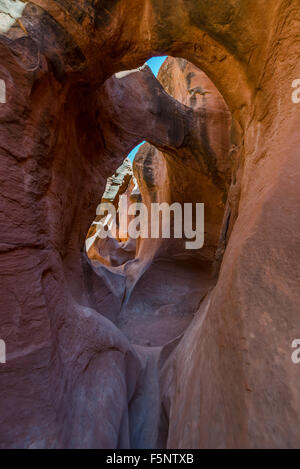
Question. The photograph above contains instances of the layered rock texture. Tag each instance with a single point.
(160, 282)
(75, 376)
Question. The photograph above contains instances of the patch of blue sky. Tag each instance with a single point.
(133, 152)
(155, 63)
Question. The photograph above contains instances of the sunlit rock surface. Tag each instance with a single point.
(71, 373)
(161, 281)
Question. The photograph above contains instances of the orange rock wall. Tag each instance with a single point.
(230, 381)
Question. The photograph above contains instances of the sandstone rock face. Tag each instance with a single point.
(113, 250)
(176, 278)
(70, 372)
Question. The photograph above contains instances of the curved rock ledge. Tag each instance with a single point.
(71, 375)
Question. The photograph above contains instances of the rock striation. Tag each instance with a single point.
(198, 170)
(70, 115)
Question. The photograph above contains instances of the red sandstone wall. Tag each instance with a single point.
(240, 382)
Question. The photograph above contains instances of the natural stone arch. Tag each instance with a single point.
(230, 380)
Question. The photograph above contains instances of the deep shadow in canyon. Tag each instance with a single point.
(152, 288)
(84, 368)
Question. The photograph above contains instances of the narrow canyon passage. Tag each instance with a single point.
(158, 284)
(124, 343)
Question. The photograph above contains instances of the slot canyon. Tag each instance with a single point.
(122, 343)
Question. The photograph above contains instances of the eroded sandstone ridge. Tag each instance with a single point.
(72, 377)
(158, 282)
